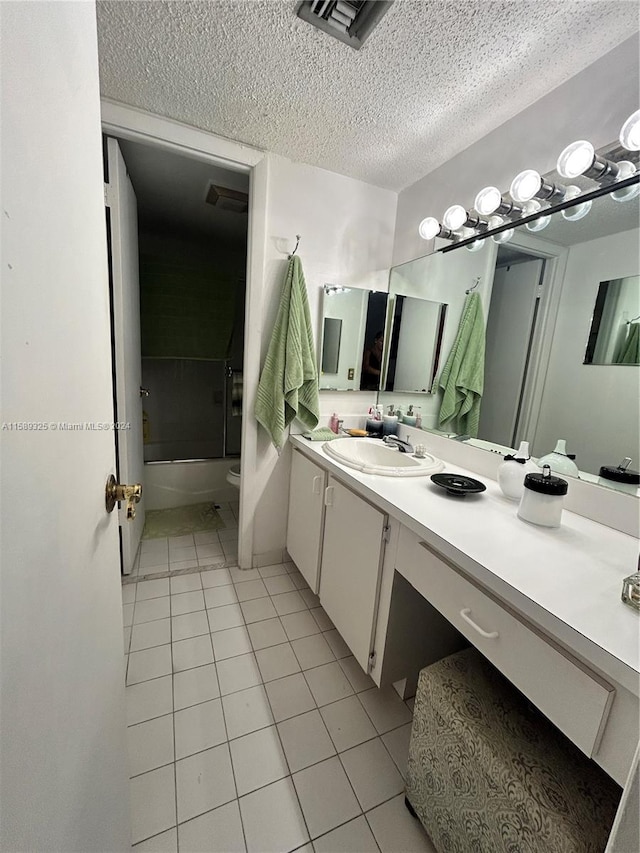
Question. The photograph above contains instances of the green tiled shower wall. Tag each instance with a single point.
(188, 303)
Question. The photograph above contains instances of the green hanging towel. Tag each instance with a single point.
(288, 385)
(462, 377)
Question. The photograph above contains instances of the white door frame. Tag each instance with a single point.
(139, 126)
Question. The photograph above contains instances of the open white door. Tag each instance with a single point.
(122, 211)
(510, 323)
(64, 778)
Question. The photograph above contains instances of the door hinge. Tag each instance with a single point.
(372, 660)
(386, 533)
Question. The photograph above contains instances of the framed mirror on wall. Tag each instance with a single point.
(550, 293)
(353, 322)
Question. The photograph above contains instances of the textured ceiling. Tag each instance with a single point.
(433, 77)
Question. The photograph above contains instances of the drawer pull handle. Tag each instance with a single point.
(488, 635)
(316, 485)
(328, 496)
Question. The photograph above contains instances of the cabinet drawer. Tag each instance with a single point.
(575, 699)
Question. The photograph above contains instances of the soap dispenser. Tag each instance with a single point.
(513, 470)
(410, 418)
(390, 423)
(542, 498)
(560, 461)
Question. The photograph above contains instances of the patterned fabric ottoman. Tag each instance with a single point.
(487, 773)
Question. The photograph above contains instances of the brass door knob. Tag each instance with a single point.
(116, 493)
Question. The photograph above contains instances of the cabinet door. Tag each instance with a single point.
(351, 564)
(306, 510)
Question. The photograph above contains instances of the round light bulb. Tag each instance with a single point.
(572, 214)
(429, 228)
(539, 224)
(454, 217)
(475, 246)
(503, 236)
(531, 207)
(630, 133)
(626, 170)
(525, 185)
(576, 159)
(488, 200)
(571, 192)
(495, 222)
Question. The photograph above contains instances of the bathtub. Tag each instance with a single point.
(169, 484)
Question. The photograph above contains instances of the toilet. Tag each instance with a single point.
(233, 475)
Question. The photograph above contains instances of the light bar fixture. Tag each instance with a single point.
(489, 200)
(630, 133)
(530, 184)
(430, 228)
(456, 217)
(580, 158)
(531, 193)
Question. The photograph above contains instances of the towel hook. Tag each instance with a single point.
(297, 244)
(476, 282)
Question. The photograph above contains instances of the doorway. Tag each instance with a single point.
(512, 329)
(191, 249)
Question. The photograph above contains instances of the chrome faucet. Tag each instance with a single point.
(394, 441)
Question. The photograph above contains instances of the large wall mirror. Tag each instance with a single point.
(351, 346)
(549, 294)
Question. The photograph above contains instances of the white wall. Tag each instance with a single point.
(592, 105)
(595, 407)
(63, 773)
(347, 230)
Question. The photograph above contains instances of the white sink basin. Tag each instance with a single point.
(371, 456)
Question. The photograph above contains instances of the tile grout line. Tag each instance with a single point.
(228, 742)
(274, 723)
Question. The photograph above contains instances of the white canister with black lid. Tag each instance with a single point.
(542, 499)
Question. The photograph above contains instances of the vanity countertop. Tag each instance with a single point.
(567, 580)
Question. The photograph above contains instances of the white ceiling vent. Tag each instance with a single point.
(351, 21)
(227, 199)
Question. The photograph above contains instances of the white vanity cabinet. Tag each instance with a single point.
(352, 553)
(306, 517)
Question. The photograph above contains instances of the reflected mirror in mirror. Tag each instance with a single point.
(615, 326)
(413, 354)
(353, 323)
(538, 293)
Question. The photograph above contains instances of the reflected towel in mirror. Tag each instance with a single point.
(462, 378)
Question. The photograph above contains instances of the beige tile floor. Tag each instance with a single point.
(211, 548)
(250, 725)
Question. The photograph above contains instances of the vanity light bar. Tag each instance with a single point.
(490, 200)
(529, 188)
(529, 185)
(456, 217)
(535, 216)
(430, 228)
(580, 158)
